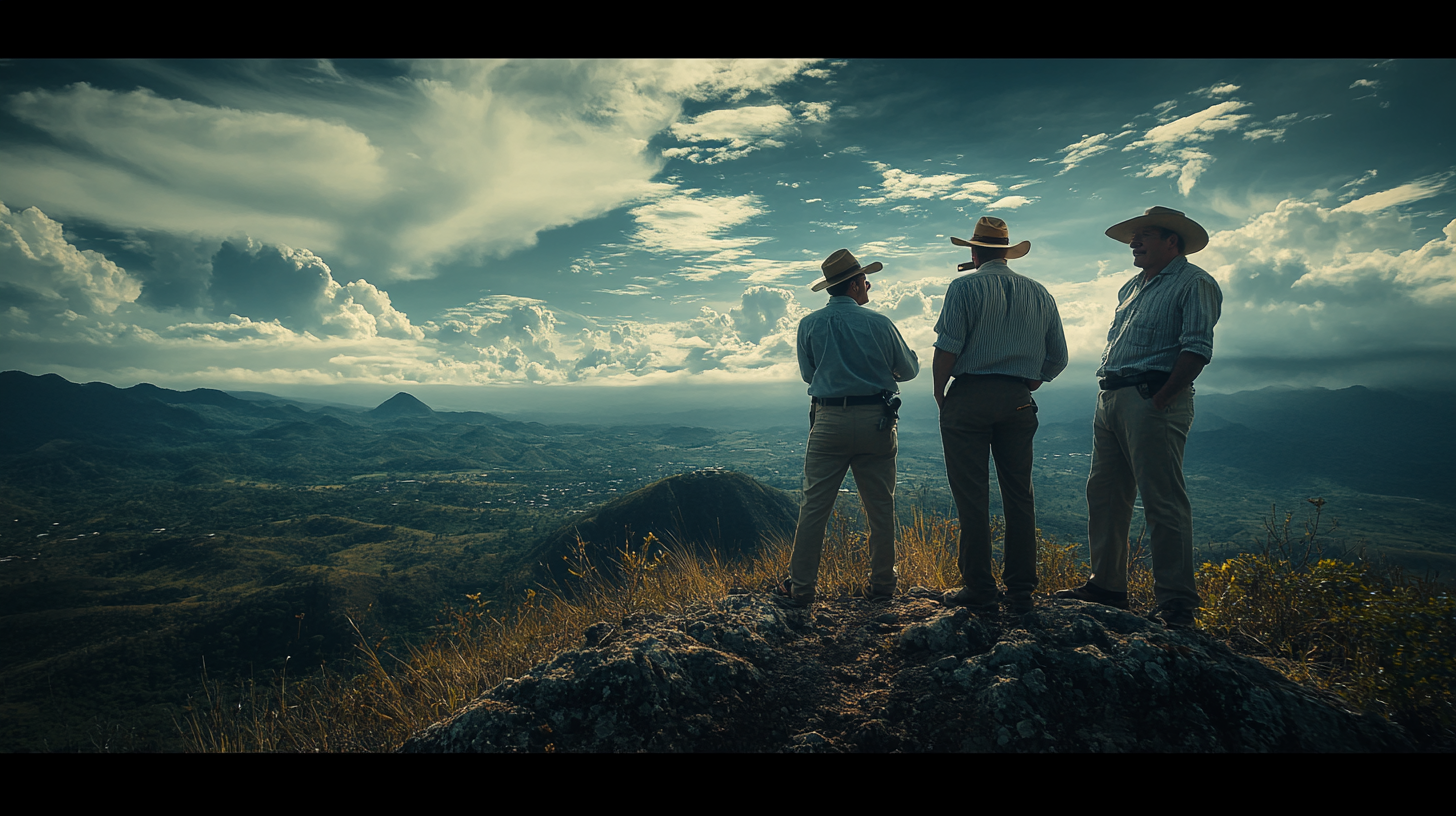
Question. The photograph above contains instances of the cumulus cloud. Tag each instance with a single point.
(1009, 203)
(37, 264)
(1330, 284)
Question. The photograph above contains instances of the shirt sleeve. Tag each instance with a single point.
(1202, 306)
(806, 356)
(906, 364)
(951, 328)
(1056, 345)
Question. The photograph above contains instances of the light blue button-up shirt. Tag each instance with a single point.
(998, 322)
(847, 350)
(1158, 320)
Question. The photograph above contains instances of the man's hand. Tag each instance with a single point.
(1185, 371)
(942, 364)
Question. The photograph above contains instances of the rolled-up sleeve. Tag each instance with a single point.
(1201, 310)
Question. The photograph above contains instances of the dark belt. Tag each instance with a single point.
(1008, 377)
(1154, 379)
(846, 401)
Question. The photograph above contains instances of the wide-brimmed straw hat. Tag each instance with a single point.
(840, 267)
(992, 232)
(1194, 236)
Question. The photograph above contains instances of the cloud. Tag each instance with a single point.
(1306, 282)
(901, 184)
(1078, 152)
(1009, 203)
(686, 223)
(1396, 196)
(1365, 83)
(1168, 143)
(38, 265)
(453, 159)
(1217, 89)
(744, 129)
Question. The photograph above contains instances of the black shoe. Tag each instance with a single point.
(874, 595)
(783, 595)
(964, 597)
(1173, 617)
(1018, 604)
(1095, 594)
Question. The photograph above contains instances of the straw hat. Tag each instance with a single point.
(992, 232)
(840, 267)
(1194, 236)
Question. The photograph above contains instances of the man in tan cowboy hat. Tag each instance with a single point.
(1161, 338)
(852, 358)
(1000, 336)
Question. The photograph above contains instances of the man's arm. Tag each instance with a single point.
(1185, 371)
(806, 356)
(941, 366)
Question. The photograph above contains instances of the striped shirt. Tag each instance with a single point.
(998, 322)
(1158, 320)
(846, 350)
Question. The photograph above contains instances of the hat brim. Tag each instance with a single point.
(1012, 252)
(1195, 237)
(844, 276)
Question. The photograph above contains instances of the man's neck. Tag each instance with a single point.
(1149, 274)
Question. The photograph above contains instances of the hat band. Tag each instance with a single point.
(849, 271)
(991, 239)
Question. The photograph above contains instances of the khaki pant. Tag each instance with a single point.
(844, 438)
(982, 418)
(1138, 449)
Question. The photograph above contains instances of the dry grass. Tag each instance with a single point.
(391, 694)
(1383, 640)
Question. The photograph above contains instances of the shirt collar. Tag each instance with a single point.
(991, 265)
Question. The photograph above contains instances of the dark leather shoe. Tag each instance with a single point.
(1173, 617)
(1093, 593)
(964, 597)
(1018, 604)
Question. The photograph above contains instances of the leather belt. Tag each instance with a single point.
(1154, 379)
(846, 401)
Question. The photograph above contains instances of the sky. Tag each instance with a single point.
(314, 224)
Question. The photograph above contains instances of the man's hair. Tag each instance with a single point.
(989, 253)
(1165, 232)
(842, 288)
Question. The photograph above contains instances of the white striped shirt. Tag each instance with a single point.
(998, 322)
(1158, 320)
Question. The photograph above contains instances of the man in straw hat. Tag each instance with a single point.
(1161, 338)
(852, 358)
(1000, 336)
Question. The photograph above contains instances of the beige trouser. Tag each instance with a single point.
(844, 438)
(1138, 449)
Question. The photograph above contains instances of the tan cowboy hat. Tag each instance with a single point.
(992, 232)
(840, 267)
(1194, 236)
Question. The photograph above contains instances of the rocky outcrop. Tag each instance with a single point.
(744, 674)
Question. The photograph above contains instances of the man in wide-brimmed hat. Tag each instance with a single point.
(1161, 338)
(853, 359)
(1000, 336)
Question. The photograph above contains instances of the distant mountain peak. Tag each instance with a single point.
(400, 405)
